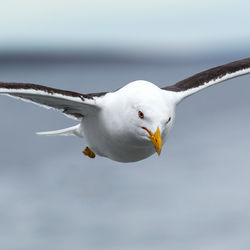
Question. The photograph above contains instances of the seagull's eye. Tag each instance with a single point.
(140, 114)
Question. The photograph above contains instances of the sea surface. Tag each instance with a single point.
(195, 196)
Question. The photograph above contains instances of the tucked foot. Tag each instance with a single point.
(87, 151)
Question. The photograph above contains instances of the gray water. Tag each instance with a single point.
(194, 196)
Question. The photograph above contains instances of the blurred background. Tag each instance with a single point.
(194, 196)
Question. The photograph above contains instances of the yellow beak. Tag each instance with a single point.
(155, 139)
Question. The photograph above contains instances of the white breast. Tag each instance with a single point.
(113, 143)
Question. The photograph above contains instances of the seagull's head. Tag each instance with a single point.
(152, 124)
(152, 121)
(146, 114)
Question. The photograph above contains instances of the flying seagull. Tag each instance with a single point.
(129, 124)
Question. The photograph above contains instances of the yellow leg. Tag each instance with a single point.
(87, 151)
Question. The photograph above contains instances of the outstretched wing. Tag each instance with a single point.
(210, 77)
(73, 104)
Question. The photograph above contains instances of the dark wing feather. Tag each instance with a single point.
(71, 103)
(210, 77)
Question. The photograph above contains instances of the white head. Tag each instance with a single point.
(144, 115)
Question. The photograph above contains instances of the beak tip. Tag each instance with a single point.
(155, 139)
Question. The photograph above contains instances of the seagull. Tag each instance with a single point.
(129, 124)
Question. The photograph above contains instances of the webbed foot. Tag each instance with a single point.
(87, 151)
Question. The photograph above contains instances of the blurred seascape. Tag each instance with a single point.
(194, 196)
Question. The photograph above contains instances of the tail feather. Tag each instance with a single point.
(75, 130)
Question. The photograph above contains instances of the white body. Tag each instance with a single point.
(115, 131)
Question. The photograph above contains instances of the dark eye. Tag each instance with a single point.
(140, 114)
(169, 120)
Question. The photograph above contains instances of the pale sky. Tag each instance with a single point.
(131, 24)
